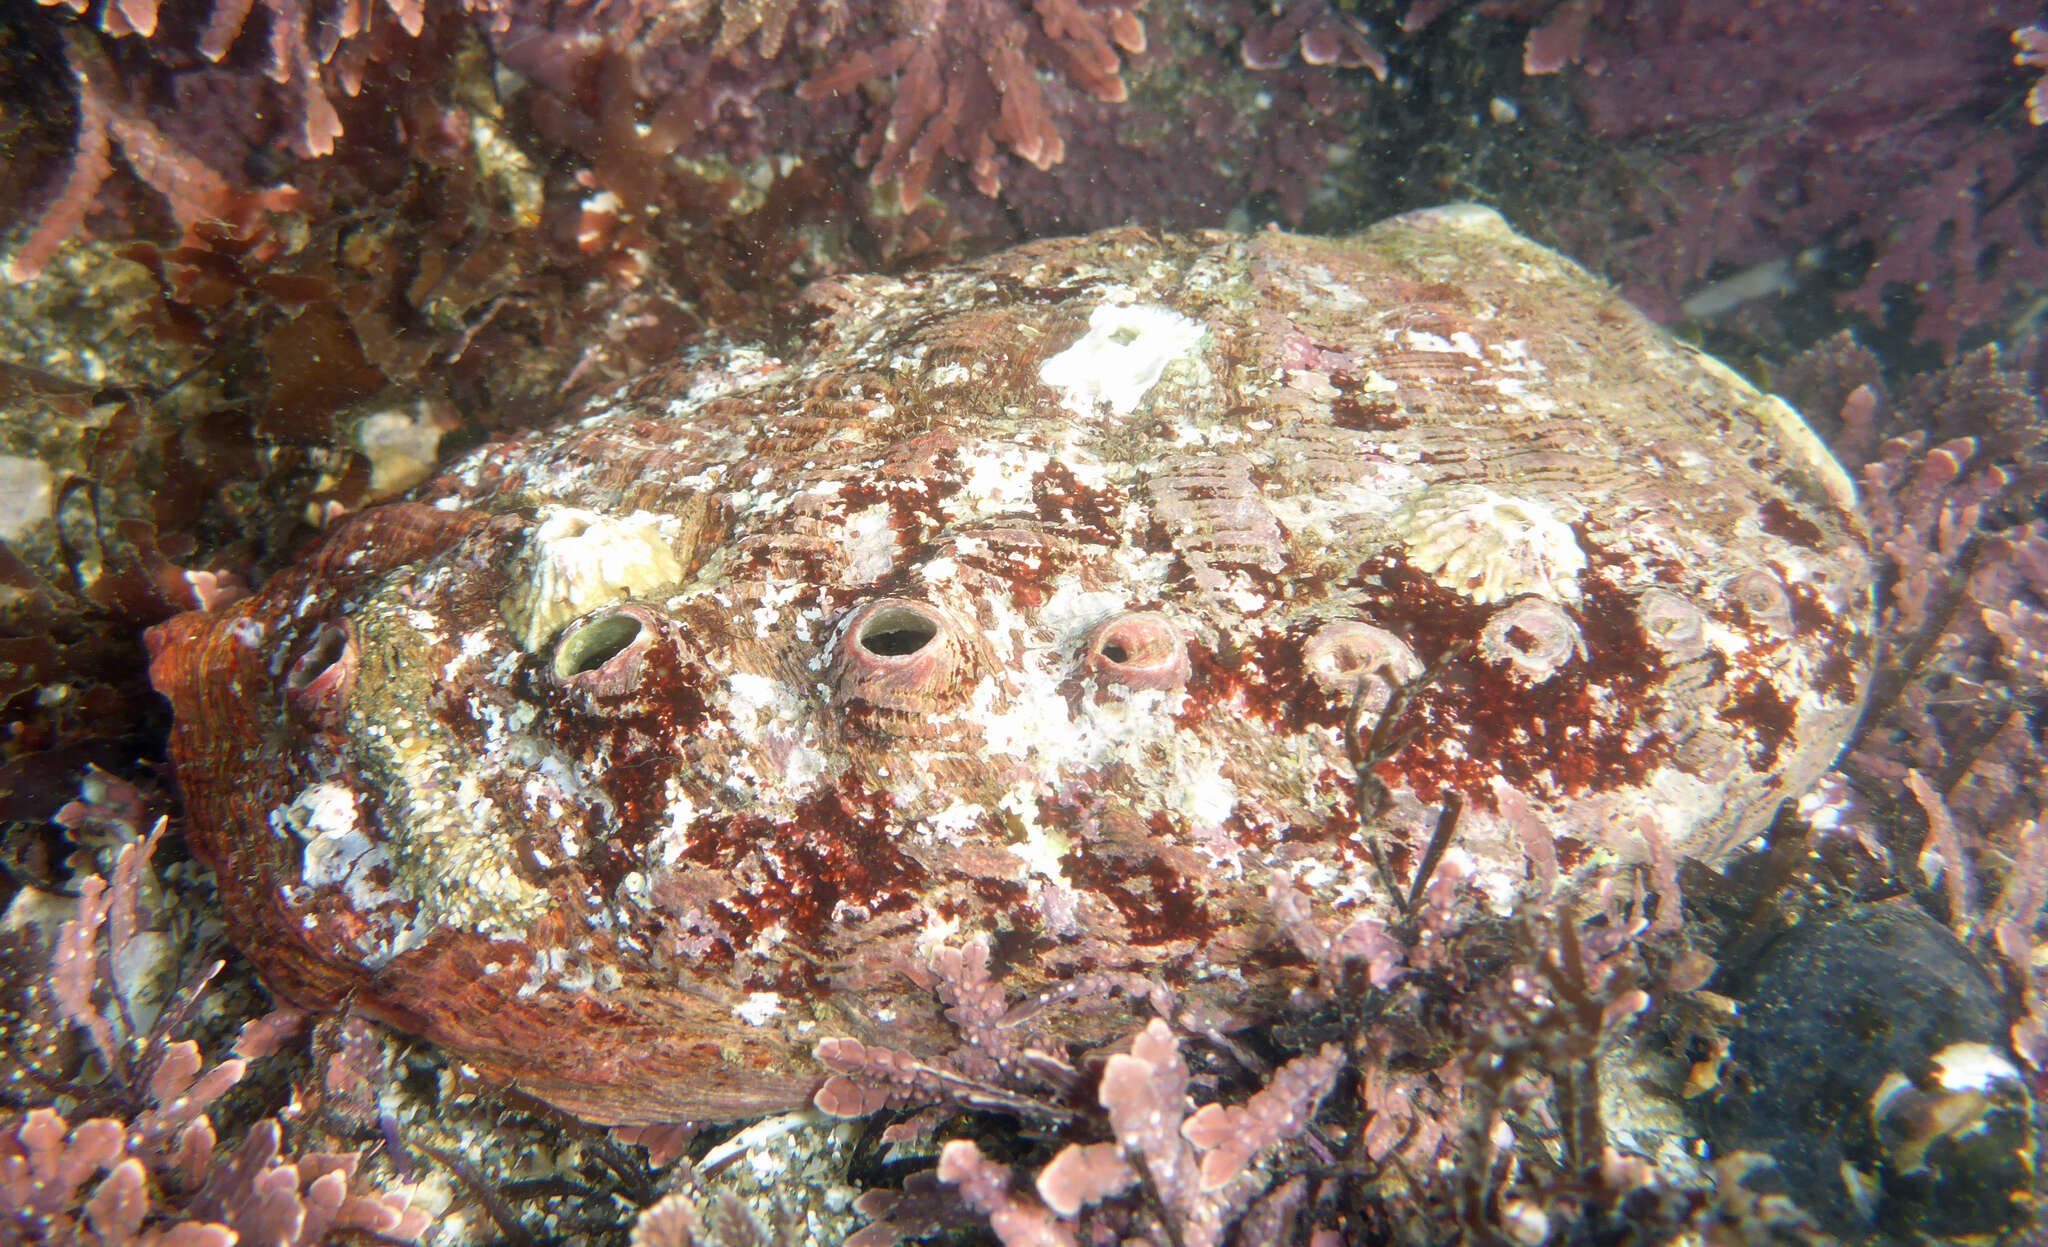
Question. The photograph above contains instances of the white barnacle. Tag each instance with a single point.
(1491, 547)
(577, 560)
(1120, 358)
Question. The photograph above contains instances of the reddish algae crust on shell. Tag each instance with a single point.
(1029, 597)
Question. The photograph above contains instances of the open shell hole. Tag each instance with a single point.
(1535, 638)
(605, 653)
(903, 655)
(1140, 649)
(325, 659)
(318, 683)
(896, 630)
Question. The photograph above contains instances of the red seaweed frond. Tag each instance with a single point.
(89, 168)
(1558, 27)
(314, 49)
(967, 84)
(196, 193)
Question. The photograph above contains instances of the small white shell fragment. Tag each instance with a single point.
(402, 446)
(25, 495)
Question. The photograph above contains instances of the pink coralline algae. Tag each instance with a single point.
(191, 188)
(1072, 599)
(2031, 43)
(1319, 33)
(309, 58)
(129, 1153)
(1947, 465)
(1941, 776)
(967, 83)
(1558, 28)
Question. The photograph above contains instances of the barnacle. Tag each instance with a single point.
(1491, 547)
(577, 560)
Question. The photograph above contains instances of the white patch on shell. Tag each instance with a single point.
(337, 853)
(577, 560)
(1203, 796)
(318, 810)
(674, 836)
(1042, 847)
(758, 1009)
(1459, 343)
(999, 476)
(1491, 547)
(1120, 358)
(870, 545)
(751, 693)
(956, 819)
(475, 647)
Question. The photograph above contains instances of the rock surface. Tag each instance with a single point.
(1869, 1062)
(1063, 596)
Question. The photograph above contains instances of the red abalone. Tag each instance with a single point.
(1030, 597)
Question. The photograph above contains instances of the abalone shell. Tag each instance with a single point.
(1058, 597)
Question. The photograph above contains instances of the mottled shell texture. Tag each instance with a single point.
(1031, 597)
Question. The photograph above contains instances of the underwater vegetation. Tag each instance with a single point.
(273, 262)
